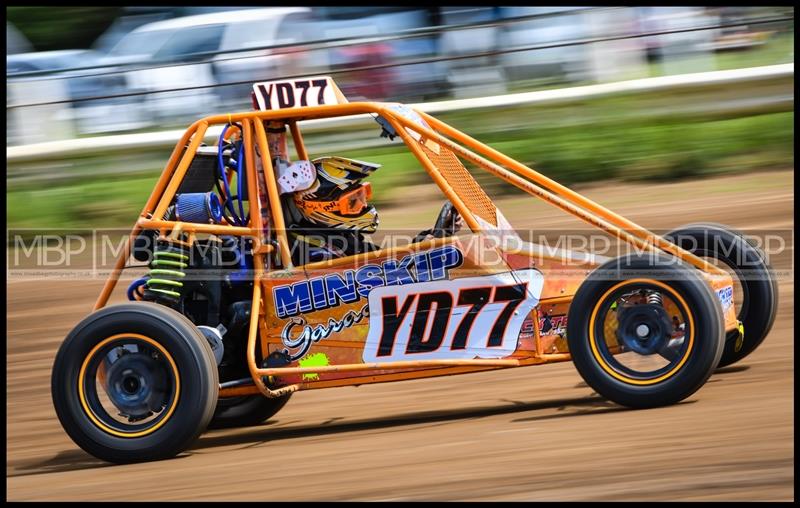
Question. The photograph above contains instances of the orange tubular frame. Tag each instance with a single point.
(490, 160)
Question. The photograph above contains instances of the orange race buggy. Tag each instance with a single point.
(228, 324)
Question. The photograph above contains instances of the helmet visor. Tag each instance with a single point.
(351, 202)
(355, 201)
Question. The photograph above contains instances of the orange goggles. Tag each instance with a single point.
(350, 203)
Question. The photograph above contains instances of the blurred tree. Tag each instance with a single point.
(52, 28)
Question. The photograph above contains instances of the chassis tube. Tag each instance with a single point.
(274, 196)
(113, 277)
(299, 144)
(434, 173)
(251, 343)
(176, 179)
(573, 197)
(350, 367)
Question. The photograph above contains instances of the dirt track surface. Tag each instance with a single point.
(536, 433)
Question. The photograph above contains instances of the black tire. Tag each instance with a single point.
(682, 378)
(191, 382)
(757, 279)
(246, 411)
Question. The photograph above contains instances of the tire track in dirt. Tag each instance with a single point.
(521, 434)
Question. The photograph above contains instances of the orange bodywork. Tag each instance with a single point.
(440, 150)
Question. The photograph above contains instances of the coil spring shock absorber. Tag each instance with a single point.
(165, 279)
(654, 298)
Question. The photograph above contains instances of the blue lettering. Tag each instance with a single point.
(444, 258)
(422, 267)
(398, 273)
(318, 293)
(348, 287)
(341, 290)
(369, 277)
(292, 300)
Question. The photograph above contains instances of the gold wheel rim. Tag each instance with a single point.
(613, 372)
(82, 395)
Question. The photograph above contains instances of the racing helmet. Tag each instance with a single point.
(338, 198)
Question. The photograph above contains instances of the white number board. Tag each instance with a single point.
(297, 93)
(451, 319)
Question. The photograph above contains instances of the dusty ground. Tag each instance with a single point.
(536, 433)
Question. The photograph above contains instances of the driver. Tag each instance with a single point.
(326, 206)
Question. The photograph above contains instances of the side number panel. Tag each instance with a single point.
(471, 317)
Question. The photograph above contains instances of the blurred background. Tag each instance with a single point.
(87, 73)
(668, 115)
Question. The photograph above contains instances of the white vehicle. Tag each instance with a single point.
(179, 41)
(568, 63)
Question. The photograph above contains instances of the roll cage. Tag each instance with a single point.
(439, 148)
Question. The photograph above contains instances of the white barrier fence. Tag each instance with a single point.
(167, 139)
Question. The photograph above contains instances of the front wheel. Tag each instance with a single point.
(627, 312)
(134, 382)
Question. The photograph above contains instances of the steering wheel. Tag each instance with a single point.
(447, 224)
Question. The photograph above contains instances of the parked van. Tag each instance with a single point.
(187, 42)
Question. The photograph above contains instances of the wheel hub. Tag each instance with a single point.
(136, 384)
(644, 328)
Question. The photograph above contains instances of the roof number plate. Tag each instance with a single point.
(314, 91)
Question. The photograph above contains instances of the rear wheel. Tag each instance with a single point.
(246, 410)
(134, 382)
(755, 284)
(627, 312)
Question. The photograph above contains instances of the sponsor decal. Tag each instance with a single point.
(298, 345)
(527, 330)
(725, 296)
(350, 286)
(461, 318)
(315, 360)
(548, 325)
(553, 325)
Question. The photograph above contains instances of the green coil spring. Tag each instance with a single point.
(165, 279)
